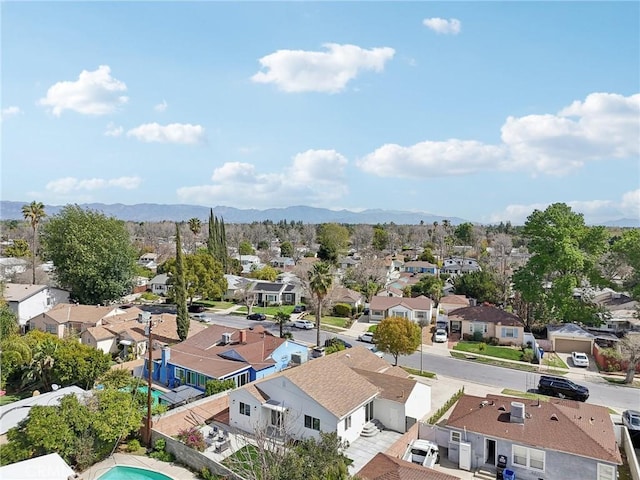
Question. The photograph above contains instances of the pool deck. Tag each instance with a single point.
(172, 470)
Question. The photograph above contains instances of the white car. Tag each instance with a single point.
(366, 337)
(304, 324)
(440, 336)
(374, 350)
(579, 359)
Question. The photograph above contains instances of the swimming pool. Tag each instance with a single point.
(121, 472)
(155, 394)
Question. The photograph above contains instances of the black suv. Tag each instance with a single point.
(563, 388)
(257, 316)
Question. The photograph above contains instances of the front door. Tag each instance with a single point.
(369, 411)
(489, 451)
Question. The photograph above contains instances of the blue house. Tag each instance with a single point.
(221, 353)
(421, 267)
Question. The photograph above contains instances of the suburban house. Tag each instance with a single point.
(390, 292)
(415, 309)
(460, 265)
(386, 467)
(221, 353)
(283, 263)
(448, 303)
(159, 284)
(149, 260)
(250, 263)
(569, 337)
(347, 296)
(490, 322)
(421, 267)
(276, 293)
(540, 439)
(12, 266)
(27, 301)
(345, 263)
(235, 283)
(342, 393)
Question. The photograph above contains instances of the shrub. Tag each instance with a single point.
(482, 347)
(192, 437)
(527, 355)
(216, 386)
(159, 452)
(443, 409)
(342, 310)
(133, 445)
(149, 296)
(477, 336)
(494, 341)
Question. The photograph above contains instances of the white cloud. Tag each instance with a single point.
(314, 177)
(172, 133)
(603, 127)
(113, 130)
(161, 107)
(328, 71)
(71, 184)
(429, 159)
(9, 112)
(442, 25)
(594, 211)
(94, 93)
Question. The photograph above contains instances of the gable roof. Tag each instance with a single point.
(568, 330)
(70, 312)
(454, 300)
(487, 314)
(568, 426)
(18, 292)
(386, 467)
(385, 303)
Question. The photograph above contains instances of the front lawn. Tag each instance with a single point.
(270, 311)
(341, 322)
(554, 361)
(507, 353)
(498, 363)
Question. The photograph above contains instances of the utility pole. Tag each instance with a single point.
(423, 322)
(145, 317)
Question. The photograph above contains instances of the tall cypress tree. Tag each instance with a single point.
(217, 242)
(212, 235)
(180, 291)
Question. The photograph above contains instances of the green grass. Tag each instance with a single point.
(620, 381)
(288, 309)
(243, 460)
(341, 322)
(424, 373)
(506, 353)
(554, 361)
(372, 328)
(8, 399)
(530, 396)
(495, 362)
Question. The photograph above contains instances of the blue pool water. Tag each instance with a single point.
(121, 472)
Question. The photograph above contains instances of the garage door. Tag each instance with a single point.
(565, 345)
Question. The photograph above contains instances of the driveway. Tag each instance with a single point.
(592, 368)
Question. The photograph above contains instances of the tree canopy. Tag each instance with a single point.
(397, 336)
(203, 276)
(481, 285)
(92, 253)
(333, 240)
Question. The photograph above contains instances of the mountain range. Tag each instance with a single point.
(153, 212)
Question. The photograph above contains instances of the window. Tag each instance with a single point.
(245, 409)
(179, 374)
(528, 457)
(606, 472)
(455, 437)
(311, 422)
(347, 423)
(51, 329)
(509, 332)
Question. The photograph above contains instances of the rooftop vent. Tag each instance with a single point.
(554, 417)
(517, 412)
(226, 339)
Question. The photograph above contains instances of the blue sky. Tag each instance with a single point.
(482, 110)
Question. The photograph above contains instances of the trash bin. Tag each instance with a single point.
(541, 350)
(500, 466)
(509, 474)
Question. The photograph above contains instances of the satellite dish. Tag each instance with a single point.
(55, 387)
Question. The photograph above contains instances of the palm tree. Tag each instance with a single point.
(34, 212)
(320, 280)
(281, 318)
(195, 225)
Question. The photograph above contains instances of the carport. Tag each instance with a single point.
(569, 338)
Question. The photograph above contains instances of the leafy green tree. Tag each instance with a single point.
(427, 256)
(564, 255)
(428, 286)
(180, 291)
(627, 248)
(630, 350)
(118, 378)
(320, 280)
(380, 238)
(19, 249)
(397, 336)
(267, 273)
(481, 285)
(34, 213)
(281, 318)
(286, 249)
(8, 320)
(216, 386)
(93, 254)
(15, 353)
(203, 276)
(464, 233)
(245, 248)
(333, 240)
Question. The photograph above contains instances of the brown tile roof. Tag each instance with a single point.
(100, 333)
(386, 467)
(567, 426)
(385, 303)
(454, 300)
(488, 314)
(391, 387)
(70, 312)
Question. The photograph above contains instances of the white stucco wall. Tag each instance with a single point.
(390, 413)
(418, 405)
(30, 307)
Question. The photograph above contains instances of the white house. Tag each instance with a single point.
(160, 284)
(27, 301)
(415, 309)
(342, 392)
(11, 266)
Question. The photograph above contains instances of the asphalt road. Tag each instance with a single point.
(601, 392)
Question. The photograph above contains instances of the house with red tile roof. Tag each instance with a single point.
(415, 309)
(221, 353)
(342, 393)
(552, 439)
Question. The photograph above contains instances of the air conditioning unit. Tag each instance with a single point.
(226, 339)
(144, 317)
(296, 358)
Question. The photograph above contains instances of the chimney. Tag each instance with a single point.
(166, 355)
(517, 412)
(243, 336)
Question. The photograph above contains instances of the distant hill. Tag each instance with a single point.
(624, 223)
(152, 212)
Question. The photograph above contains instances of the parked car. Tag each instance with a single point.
(335, 340)
(631, 420)
(366, 337)
(375, 350)
(257, 316)
(443, 324)
(440, 336)
(563, 388)
(196, 308)
(299, 309)
(579, 359)
(304, 324)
